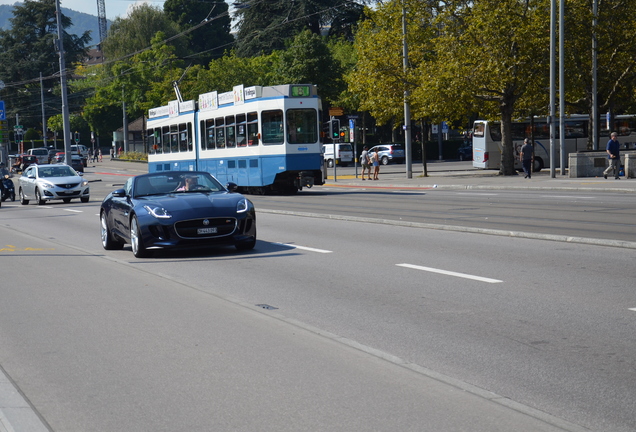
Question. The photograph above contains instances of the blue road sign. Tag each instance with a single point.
(3, 116)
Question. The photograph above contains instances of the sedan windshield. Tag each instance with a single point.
(57, 171)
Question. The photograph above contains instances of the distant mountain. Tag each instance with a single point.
(81, 22)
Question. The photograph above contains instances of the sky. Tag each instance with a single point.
(114, 8)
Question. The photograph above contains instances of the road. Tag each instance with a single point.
(327, 325)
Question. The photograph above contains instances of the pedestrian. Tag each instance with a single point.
(99, 152)
(614, 156)
(526, 156)
(365, 161)
(112, 153)
(376, 164)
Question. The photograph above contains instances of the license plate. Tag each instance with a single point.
(206, 230)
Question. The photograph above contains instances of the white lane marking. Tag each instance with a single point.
(476, 193)
(632, 309)
(567, 197)
(304, 248)
(74, 211)
(450, 273)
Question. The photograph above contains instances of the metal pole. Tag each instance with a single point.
(65, 114)
(562, 86)
(125, 120)
(595, 116)
(43, 116)
(407, 108)
(552, 87)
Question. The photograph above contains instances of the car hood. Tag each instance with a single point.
(61, 180)
(201, 203)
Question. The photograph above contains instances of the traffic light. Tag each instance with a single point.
(334, 129)
(77, 137)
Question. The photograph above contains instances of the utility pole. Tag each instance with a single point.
(65, 115)
(407, 108)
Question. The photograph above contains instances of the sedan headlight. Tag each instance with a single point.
(158, 212)
(242, 206)
(84, 183)
(47, 185)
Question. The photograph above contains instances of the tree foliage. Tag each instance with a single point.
(379, 77)
(210, 23)
(263, 27)
(491, 57)
(134, 33)
(27, 49)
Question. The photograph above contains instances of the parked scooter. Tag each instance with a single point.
(8, 190)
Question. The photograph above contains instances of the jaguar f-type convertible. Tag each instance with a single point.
(176, 209)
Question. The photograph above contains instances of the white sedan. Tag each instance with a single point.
(52, 182)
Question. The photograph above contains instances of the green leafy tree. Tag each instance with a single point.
(208, 23)
(263, 27)
(26, 50)
(379, 79)
(142, 82)
(308, 60)
(491, 56)
(133, 34)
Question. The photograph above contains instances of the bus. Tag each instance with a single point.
(263, 139)
(487, 147)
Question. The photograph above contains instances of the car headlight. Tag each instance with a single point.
(47, 185)
(158, 212)
(84, 183)
(242, 206)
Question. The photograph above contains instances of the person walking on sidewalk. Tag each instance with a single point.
(526, 155)
(365, 162)
(614, 156)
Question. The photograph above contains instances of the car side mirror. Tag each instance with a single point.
(119, 193)
(231, 186)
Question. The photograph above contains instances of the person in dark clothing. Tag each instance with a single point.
(526, 155)
(614, 156)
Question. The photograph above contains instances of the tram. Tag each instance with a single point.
(264, 139)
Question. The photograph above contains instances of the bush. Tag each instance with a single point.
(134, 156)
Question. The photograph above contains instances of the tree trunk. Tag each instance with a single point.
(507, 155)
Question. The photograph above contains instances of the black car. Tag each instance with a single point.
(176, 209)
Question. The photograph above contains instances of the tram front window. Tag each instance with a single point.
(301, 126)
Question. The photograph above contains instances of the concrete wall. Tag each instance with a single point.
(592, 164)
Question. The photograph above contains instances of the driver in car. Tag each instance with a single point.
(190, 183)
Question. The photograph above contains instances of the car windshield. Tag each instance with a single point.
(168, 183)
(56, 171)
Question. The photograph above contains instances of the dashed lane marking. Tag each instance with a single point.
(450, 273)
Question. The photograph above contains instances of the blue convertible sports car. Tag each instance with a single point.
(176, 209)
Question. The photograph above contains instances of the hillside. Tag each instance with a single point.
(81, 21)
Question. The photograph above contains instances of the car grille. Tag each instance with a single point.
(67, 185)
(72, 193)
(191, 228)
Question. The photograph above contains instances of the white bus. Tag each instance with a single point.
(487, 147)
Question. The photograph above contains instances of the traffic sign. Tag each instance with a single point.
(3, 115)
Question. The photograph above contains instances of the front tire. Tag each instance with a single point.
(246, 245)
(107, 240)
(384, 160)
(538, 165)
(23, 200)
(330, 163)
(136, 240)
(84, 199)
(38, 197)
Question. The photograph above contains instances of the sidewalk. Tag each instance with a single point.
(394, 176)
(440, 175)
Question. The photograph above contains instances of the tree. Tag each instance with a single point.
(143, 81)
(210, 24)
(379, 79)
(26, 51)
(308, 60)
(491, 56)
(127, 36)
(263, 27)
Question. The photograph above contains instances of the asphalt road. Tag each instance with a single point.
(328, 324)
